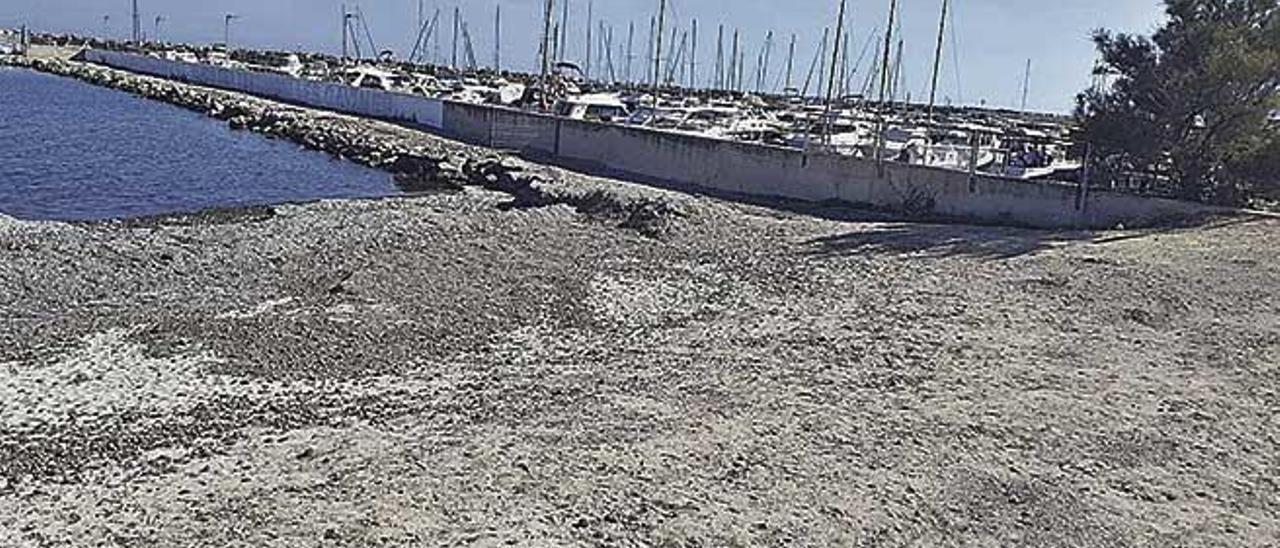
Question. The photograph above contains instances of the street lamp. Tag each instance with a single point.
(348, 32)
(106, 27)
(159, 19)
(136, 35)
(226, 30)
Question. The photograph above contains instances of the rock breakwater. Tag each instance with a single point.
(418, 165)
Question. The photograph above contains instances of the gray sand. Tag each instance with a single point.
(444, 370)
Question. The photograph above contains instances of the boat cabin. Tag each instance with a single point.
(603, 107)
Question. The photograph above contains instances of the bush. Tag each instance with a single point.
(1194, 103)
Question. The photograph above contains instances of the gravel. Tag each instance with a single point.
(621, 366)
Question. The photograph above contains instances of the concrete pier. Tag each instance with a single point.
(538, 357)
(701, 163)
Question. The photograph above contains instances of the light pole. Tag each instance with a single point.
(349, 33)
(226, 30)
(159, 19)
(106, 27)
(137, 24)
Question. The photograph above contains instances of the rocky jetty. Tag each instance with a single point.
(418, 165)
(520, 367)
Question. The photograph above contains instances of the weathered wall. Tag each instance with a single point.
(412, 109)
(499, 127)
(699, 161)
(772, 171)
(788, 173)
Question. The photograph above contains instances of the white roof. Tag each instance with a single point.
(597, 99)
(370, 71)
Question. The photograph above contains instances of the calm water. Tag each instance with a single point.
(72, 151)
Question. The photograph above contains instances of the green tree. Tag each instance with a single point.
(1193, 104)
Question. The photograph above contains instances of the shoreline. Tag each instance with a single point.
(543, 358)
(418, 161)
(405, 372)
(441, 162)
(448, 164)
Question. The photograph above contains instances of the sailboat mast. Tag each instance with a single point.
(547, 15)
(672, 62)
(344, 32)
(468, 49)
(831, 80)
(137, 24)
(898, 76)
(419, 41)
(693, 57)
(813, 66)
(590, 17)
(720, 58)
(606, 47)
(791, 59)
(417, 37)
(887, 51)
(1026, 85)
(657, 49)
(457, 27)
(884, 78)
(497, 38)
(675, 69)
(364, 25)
(631, 35)
(873, 71)
(564, 31)
(734, 69)
(648, 62)
(822, 67)
(844, 65)
(436, 50)
(937, 58)
(768, 57)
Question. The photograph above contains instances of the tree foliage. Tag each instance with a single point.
(1193, 104)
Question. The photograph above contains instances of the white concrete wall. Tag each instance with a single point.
(499, 127)
(788, 173)
(413, 109)
(699, 161)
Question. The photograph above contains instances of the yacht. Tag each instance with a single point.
(603, 107)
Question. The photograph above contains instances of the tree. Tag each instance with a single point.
(1194, 104)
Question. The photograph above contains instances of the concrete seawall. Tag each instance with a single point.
(700, 162)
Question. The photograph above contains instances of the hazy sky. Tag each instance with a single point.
(994, 38)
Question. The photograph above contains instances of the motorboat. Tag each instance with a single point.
(710, 120)
(755, 129)
(180, 56)
(507, 93)
(603, 107)
(370, 78)
(661, 117)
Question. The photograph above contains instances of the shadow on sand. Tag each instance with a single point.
(940, 241)
(987, 242)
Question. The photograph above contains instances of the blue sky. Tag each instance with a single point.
(994, 38)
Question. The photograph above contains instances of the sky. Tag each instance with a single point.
(987, 49)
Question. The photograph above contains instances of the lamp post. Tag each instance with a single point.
(159, 19)
(349, 33)
(226, 30)
(136, 36)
